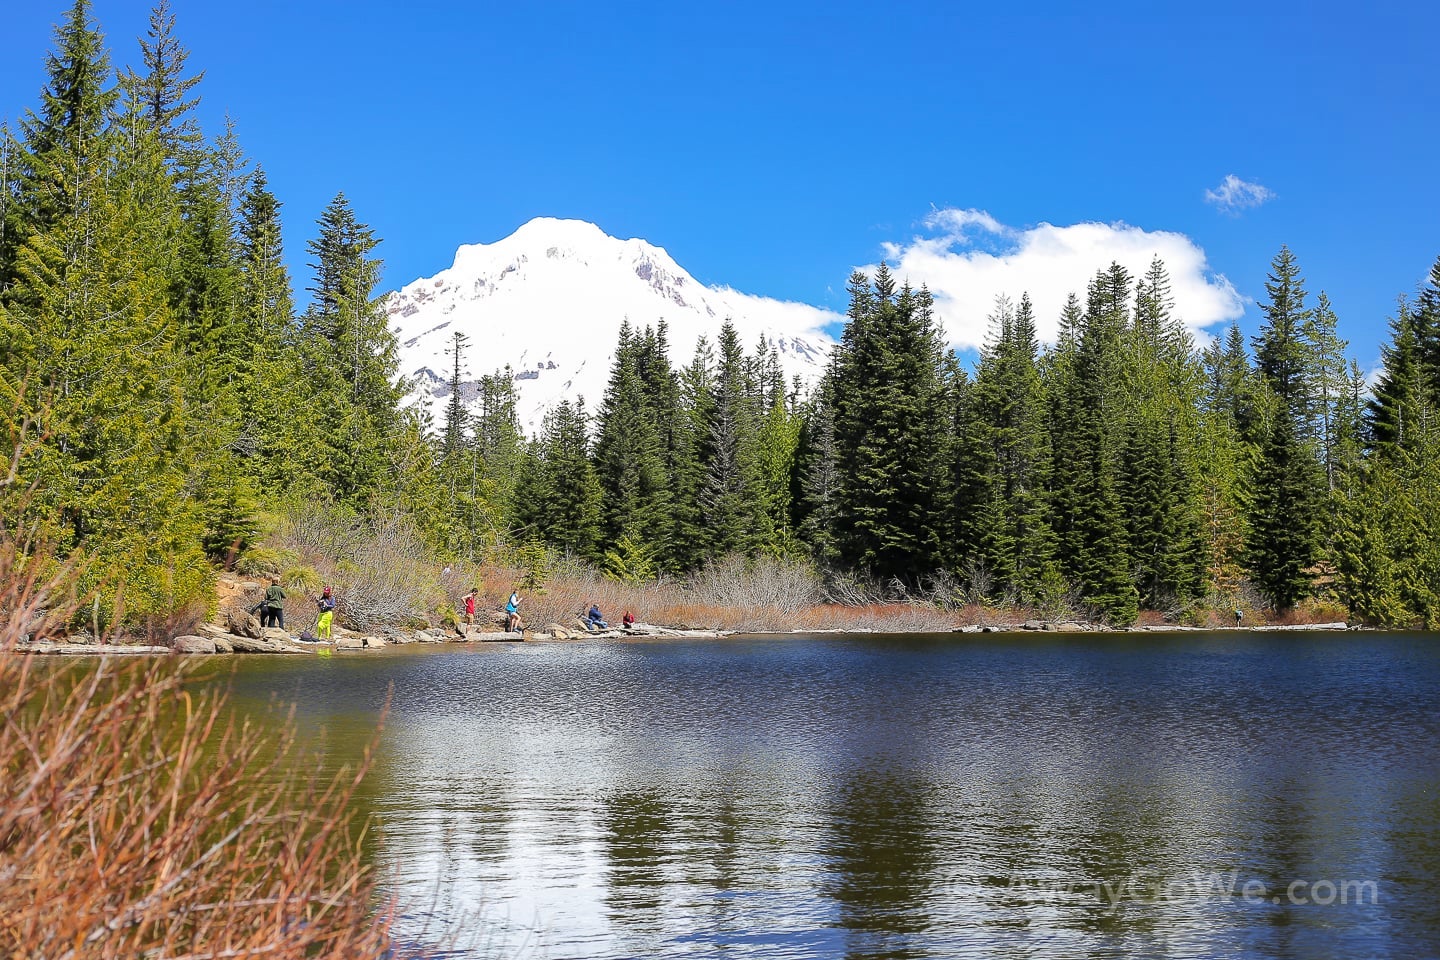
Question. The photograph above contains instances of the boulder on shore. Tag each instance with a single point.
(244, 644)
(193, 644)
(242, 624)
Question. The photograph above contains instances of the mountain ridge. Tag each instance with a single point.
(548, 301)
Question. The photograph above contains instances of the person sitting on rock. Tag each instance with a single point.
(628, 621)
(594, 619)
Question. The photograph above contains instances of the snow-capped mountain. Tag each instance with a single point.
(548, 300)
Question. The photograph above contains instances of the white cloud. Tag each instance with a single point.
(1234, 195)
(971, 259)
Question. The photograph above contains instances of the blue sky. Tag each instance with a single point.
(774, 146)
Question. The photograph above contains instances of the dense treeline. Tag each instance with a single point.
(165, 395)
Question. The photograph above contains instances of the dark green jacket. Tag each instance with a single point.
(274, 596)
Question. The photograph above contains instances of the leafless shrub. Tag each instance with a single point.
(380, 568)
(315, 530)
(945, 590)
(755, 583)
(980, 582)
(390, 575)
(850, 591)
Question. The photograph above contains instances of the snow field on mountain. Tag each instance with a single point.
(549, 300)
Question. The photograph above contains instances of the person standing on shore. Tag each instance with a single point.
(273, 613)
(512, 613)
(324, 629)
(469, 617)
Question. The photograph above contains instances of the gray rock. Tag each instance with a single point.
(374, 641)
(243, 624)
(349, 643)
(252, 645)
(224, 643)
(193, 644)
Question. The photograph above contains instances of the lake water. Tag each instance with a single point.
(1143, 795)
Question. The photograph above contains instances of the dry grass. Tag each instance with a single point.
(734, 595)
(136, 821)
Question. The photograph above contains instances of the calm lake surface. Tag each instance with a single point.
(1143, 795)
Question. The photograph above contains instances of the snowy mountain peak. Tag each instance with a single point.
(548, 302)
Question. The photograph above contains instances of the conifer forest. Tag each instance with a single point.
(163, 396)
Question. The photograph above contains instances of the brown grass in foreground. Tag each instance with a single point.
(136, 821)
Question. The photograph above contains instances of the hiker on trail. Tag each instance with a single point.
(594, 619)
(512, 613)
(628, 621)
(469, 618)
(273, 613)
(323, 626)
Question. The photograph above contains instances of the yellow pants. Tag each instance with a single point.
(322, 626)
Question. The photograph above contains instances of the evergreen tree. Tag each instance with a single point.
(1282, 352)
(453, 442)
(1231, 384)
(164, 91)
(818, 473)
(498, 446)
(1094, 552)
(89, 330)
(629, 455)
(1164, 383)
(689, 537)
(1426, 321)
(733, 495)
(350, 360)
(270, 390)
(888, 375)
(559, 498)
(661, 392)
(57, 163)
(1285, 507)
(777, 444)
(1009, 455)
(1402, 400)
(1387, 545)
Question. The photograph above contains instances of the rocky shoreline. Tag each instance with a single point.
(243, 634)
